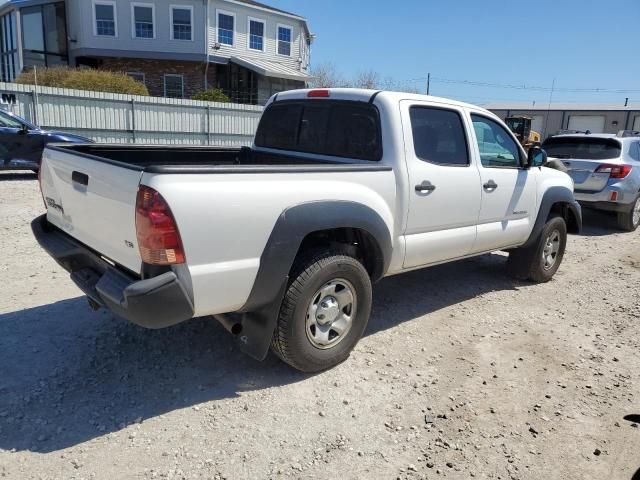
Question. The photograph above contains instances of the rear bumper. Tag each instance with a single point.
(625, 194)
(155, 302)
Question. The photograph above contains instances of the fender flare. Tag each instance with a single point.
(552, 196)
(260, 312)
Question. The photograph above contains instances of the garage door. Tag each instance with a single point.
(636, 123)
(593, 123)
(537, 123)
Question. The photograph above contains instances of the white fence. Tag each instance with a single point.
(115, 118)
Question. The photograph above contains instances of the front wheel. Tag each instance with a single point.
(324, 312)
(541, 261)
(630, 219)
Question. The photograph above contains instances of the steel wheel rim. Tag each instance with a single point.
(330, 313)
(636, 212)
(551, 249)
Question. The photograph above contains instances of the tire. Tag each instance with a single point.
(304, 341)
(541, 261)
(630, 220)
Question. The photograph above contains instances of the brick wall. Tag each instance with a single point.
(154, 71)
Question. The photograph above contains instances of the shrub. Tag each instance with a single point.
(211, 95)
(84, 79)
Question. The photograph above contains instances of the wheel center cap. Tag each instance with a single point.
(328, 310)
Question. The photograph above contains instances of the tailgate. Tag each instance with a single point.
(584, 175)
(94, 202)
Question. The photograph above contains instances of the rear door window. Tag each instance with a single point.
(438, 136)
(583, 148)
(339, 128)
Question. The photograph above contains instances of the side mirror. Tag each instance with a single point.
(536, 157)
(24, 128)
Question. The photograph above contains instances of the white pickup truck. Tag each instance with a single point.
(281, 241)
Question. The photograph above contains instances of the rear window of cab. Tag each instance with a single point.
(336, 128)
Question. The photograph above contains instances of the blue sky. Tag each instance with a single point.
(583, 44)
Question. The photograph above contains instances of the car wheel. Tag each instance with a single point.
(541, 261)
(630, 220)
(324, 312)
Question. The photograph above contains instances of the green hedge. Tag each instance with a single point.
(84, 79)
(211, 95)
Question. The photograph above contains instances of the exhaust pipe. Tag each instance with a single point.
(230, 324)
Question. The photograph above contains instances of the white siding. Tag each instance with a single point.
(272, 20)
(81, 28)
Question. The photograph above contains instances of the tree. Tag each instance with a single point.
(325, 75)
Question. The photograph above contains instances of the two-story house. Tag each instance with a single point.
(176, 47)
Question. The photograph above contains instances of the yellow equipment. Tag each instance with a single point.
(521, 128)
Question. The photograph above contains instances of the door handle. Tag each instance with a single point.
(490, 185)
(425, 186)
(80, 178)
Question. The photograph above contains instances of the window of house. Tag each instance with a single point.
(143, 24)
(137, 76)
(9, 58)
(438, 136)
(256, 34)
(174, 86)
(284, 40)
(226, 23)
(105, 18)
(181, 23)
(497, 147)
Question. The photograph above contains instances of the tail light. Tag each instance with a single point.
(614, 171)
(158, 236)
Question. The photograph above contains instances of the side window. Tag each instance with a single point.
(635, 151)
(497, 147)
(438, 136)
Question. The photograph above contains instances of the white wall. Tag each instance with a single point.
(240, 48)
(81, 28)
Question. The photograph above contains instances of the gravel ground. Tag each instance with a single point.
(462, 373)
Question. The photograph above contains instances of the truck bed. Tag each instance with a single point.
(202, 159)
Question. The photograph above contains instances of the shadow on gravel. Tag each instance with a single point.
(597, 224)
(68, 374)
(18, 176)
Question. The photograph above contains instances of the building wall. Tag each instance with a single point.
(81, 24)
(555, 120)
(154, 71)
(240, 47)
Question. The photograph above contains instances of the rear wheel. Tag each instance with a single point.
(324, 312)
(541, 261)
(630, 219)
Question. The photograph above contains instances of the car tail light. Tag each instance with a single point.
(614, 171)
(158, 236)
(324, 93)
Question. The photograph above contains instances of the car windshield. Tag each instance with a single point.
(7, 121)
(582, 148)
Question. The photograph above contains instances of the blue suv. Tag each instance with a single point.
(21, 143)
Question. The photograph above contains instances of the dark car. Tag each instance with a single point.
(21, 142)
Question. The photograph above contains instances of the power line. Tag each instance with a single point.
(475, 83)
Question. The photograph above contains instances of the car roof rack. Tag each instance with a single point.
(629, 133)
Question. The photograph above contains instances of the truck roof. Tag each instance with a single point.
(365, 95)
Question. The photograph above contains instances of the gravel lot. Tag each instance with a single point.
(462, 373)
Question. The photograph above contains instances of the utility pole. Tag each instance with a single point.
(546, 119)
(428, 83)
